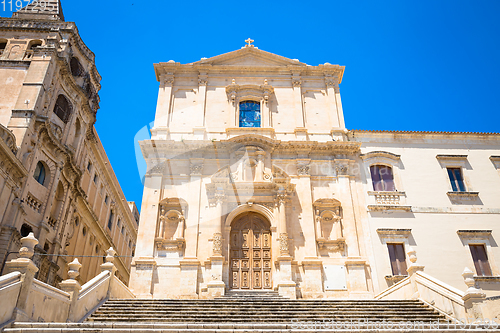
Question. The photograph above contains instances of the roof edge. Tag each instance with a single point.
(425, 132)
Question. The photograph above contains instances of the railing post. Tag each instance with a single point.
(28, 269)
(109, 266)
(413, 269)
(72, 287)
(474, 298)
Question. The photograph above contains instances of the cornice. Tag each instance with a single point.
(474, 233)
(496, 135)
(387, 231)
(452, 157)
(385, 154)
(162, 148)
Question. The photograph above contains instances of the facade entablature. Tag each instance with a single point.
(155, 149)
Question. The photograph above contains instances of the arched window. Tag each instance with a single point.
(249, 114)
(63, 108)
(382, 178)
(35, 43)
(76, 67)
(39, 174)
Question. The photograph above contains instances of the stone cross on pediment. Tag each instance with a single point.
(249, 42)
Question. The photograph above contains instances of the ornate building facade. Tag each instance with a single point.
(55, 178)
(254, 183)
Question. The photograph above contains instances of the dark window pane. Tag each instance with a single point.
(63, 108)
(456, 179)
(398, 259)
(39, 174)
(110, 221)
(387, 178)
(376, 180)
(459, 179)
(249, 114)
(480, 260)
(401, 259)
(452, 180)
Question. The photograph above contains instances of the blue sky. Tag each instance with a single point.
(410, 65)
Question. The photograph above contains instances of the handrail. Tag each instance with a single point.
(87, 287)
(9, 279)
(426, 280)
(392, 288)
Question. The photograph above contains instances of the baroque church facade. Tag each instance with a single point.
(255, 183)
(55, 178)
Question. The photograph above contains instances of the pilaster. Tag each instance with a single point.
(164, 101)
(297, 101)
(342, 168)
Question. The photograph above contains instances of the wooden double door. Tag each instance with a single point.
(250, 254)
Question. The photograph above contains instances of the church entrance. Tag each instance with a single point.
(250, 254)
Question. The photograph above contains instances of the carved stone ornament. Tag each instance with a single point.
(157, 169)
(283, 239)
(296, 82)
(335, 245)
(56, 131)
(196, 169)
(235, 91)
(219, 197)
(341, 169)
(217, 244)
(281, 198)
(303, 170)
(170, 245)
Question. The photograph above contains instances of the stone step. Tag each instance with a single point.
(248, 310)
(258, 310)
(240, 328)
(245, 302)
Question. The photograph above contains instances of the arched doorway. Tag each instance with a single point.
(250, 253)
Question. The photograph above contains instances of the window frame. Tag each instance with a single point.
(248, 100)
(457, 185)
(383, 183)
(456, 162)
(42, 173)
(397, 265)
(394, 236)
(479, 237)
(482, 267)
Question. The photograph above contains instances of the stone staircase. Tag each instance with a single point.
(256, 312)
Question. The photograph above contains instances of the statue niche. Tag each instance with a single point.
(169, 236)
(329, 229)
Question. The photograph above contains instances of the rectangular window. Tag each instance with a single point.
(382, 178)
(110, 221)
(106, 199)
(480, 258)
(398, 259)
(456, 179)
(89, 166)
(96, 178)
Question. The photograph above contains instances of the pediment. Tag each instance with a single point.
(250, 57)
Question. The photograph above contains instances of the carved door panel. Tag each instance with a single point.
(250, 253)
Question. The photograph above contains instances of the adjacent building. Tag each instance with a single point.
(55, 178)
(255, 183)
